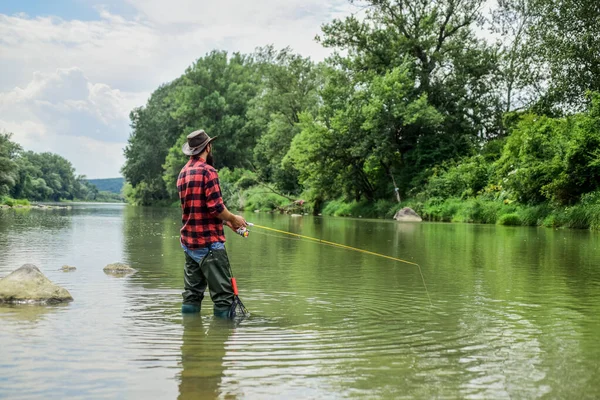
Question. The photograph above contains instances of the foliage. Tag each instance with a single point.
(113, 185)
(462, 179)
(9, 201)
(411, 103)
(511, 219)
(554, 159)
(39, 176)
(565, 35)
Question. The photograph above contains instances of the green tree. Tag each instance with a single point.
(451, 70)
(565, 34)
(214, 94)
(359, 133)
(436, 39)
(290, 86)
(154, 131)
(8, 168)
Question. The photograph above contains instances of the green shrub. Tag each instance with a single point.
(462, 180)
(533, 215)
(511, 219)
(260, 198)
(9, 201)
(551, 221)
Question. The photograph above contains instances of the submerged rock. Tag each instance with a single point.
(28, 285)
(67, 268)
(407, 214)
(118, 269)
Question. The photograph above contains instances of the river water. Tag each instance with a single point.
(515, 311)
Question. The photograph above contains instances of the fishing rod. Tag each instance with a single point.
(245, 232)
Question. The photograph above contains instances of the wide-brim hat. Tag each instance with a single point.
(196, 143)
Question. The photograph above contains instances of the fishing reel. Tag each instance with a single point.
(243, 231)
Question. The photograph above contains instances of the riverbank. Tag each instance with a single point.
(585, 215)
(10, 203)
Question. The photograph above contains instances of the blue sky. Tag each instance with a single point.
(72, 70)
(84, 10)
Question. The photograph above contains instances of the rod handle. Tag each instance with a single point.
(234, 284)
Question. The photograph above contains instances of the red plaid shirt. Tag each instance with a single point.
(201, 201)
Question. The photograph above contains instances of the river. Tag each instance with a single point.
(514, 312)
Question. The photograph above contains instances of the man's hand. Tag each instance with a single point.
(236, 222)
(233, 221)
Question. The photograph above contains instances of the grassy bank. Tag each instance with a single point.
(9, 201)
(585, 215)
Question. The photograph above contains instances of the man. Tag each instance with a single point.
(202, 236)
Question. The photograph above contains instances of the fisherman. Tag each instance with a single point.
(202, 236)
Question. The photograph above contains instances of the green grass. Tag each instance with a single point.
(477, 210)
(365, 209)
(9, 201)
(511, 219)
(260, 198)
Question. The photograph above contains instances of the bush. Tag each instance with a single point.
(9, 201)
(534, 215)
(511, 219)
(259, 198)
(461, 180)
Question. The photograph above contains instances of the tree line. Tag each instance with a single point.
(420, 100)
(41, 177)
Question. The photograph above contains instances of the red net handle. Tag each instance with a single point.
(234, 284)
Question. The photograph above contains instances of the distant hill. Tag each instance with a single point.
(113, 185)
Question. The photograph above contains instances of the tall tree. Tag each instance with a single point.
(8, 167)
(214, 95)
(154, 132)
(450, 69)
(290, 86)
(566, 35)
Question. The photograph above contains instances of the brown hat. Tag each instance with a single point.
(196, 143)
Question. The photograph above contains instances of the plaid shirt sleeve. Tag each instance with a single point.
(214, 199)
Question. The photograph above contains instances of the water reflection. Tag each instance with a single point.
(202, 352)
(29, 313)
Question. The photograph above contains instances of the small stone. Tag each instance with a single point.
(296, 215)
(407, 214)
(29, 285)
(67, 268)
(119, 269)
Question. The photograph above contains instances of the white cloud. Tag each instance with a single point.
(65, 113)
(78, 80)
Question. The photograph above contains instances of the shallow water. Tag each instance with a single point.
(515, 311)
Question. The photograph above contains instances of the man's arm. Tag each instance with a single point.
(215, 205)
(235, 222)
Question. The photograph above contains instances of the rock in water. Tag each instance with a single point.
(67, 268)
(118, 269)
(407, 214)
(28, 285)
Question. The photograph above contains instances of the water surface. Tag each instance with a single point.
(516, 311)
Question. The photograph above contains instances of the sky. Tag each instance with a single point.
(72, 70)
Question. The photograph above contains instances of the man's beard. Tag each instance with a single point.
(210, 160)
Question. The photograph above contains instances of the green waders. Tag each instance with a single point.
(213, 271)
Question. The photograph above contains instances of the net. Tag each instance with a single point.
(237, 310)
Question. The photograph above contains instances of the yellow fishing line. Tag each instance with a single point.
(343, 246)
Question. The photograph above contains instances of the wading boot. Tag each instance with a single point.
(221, 313)
(190, 309)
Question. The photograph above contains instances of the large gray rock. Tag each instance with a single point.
(407, 214)
(118, 269)
(28, 285)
